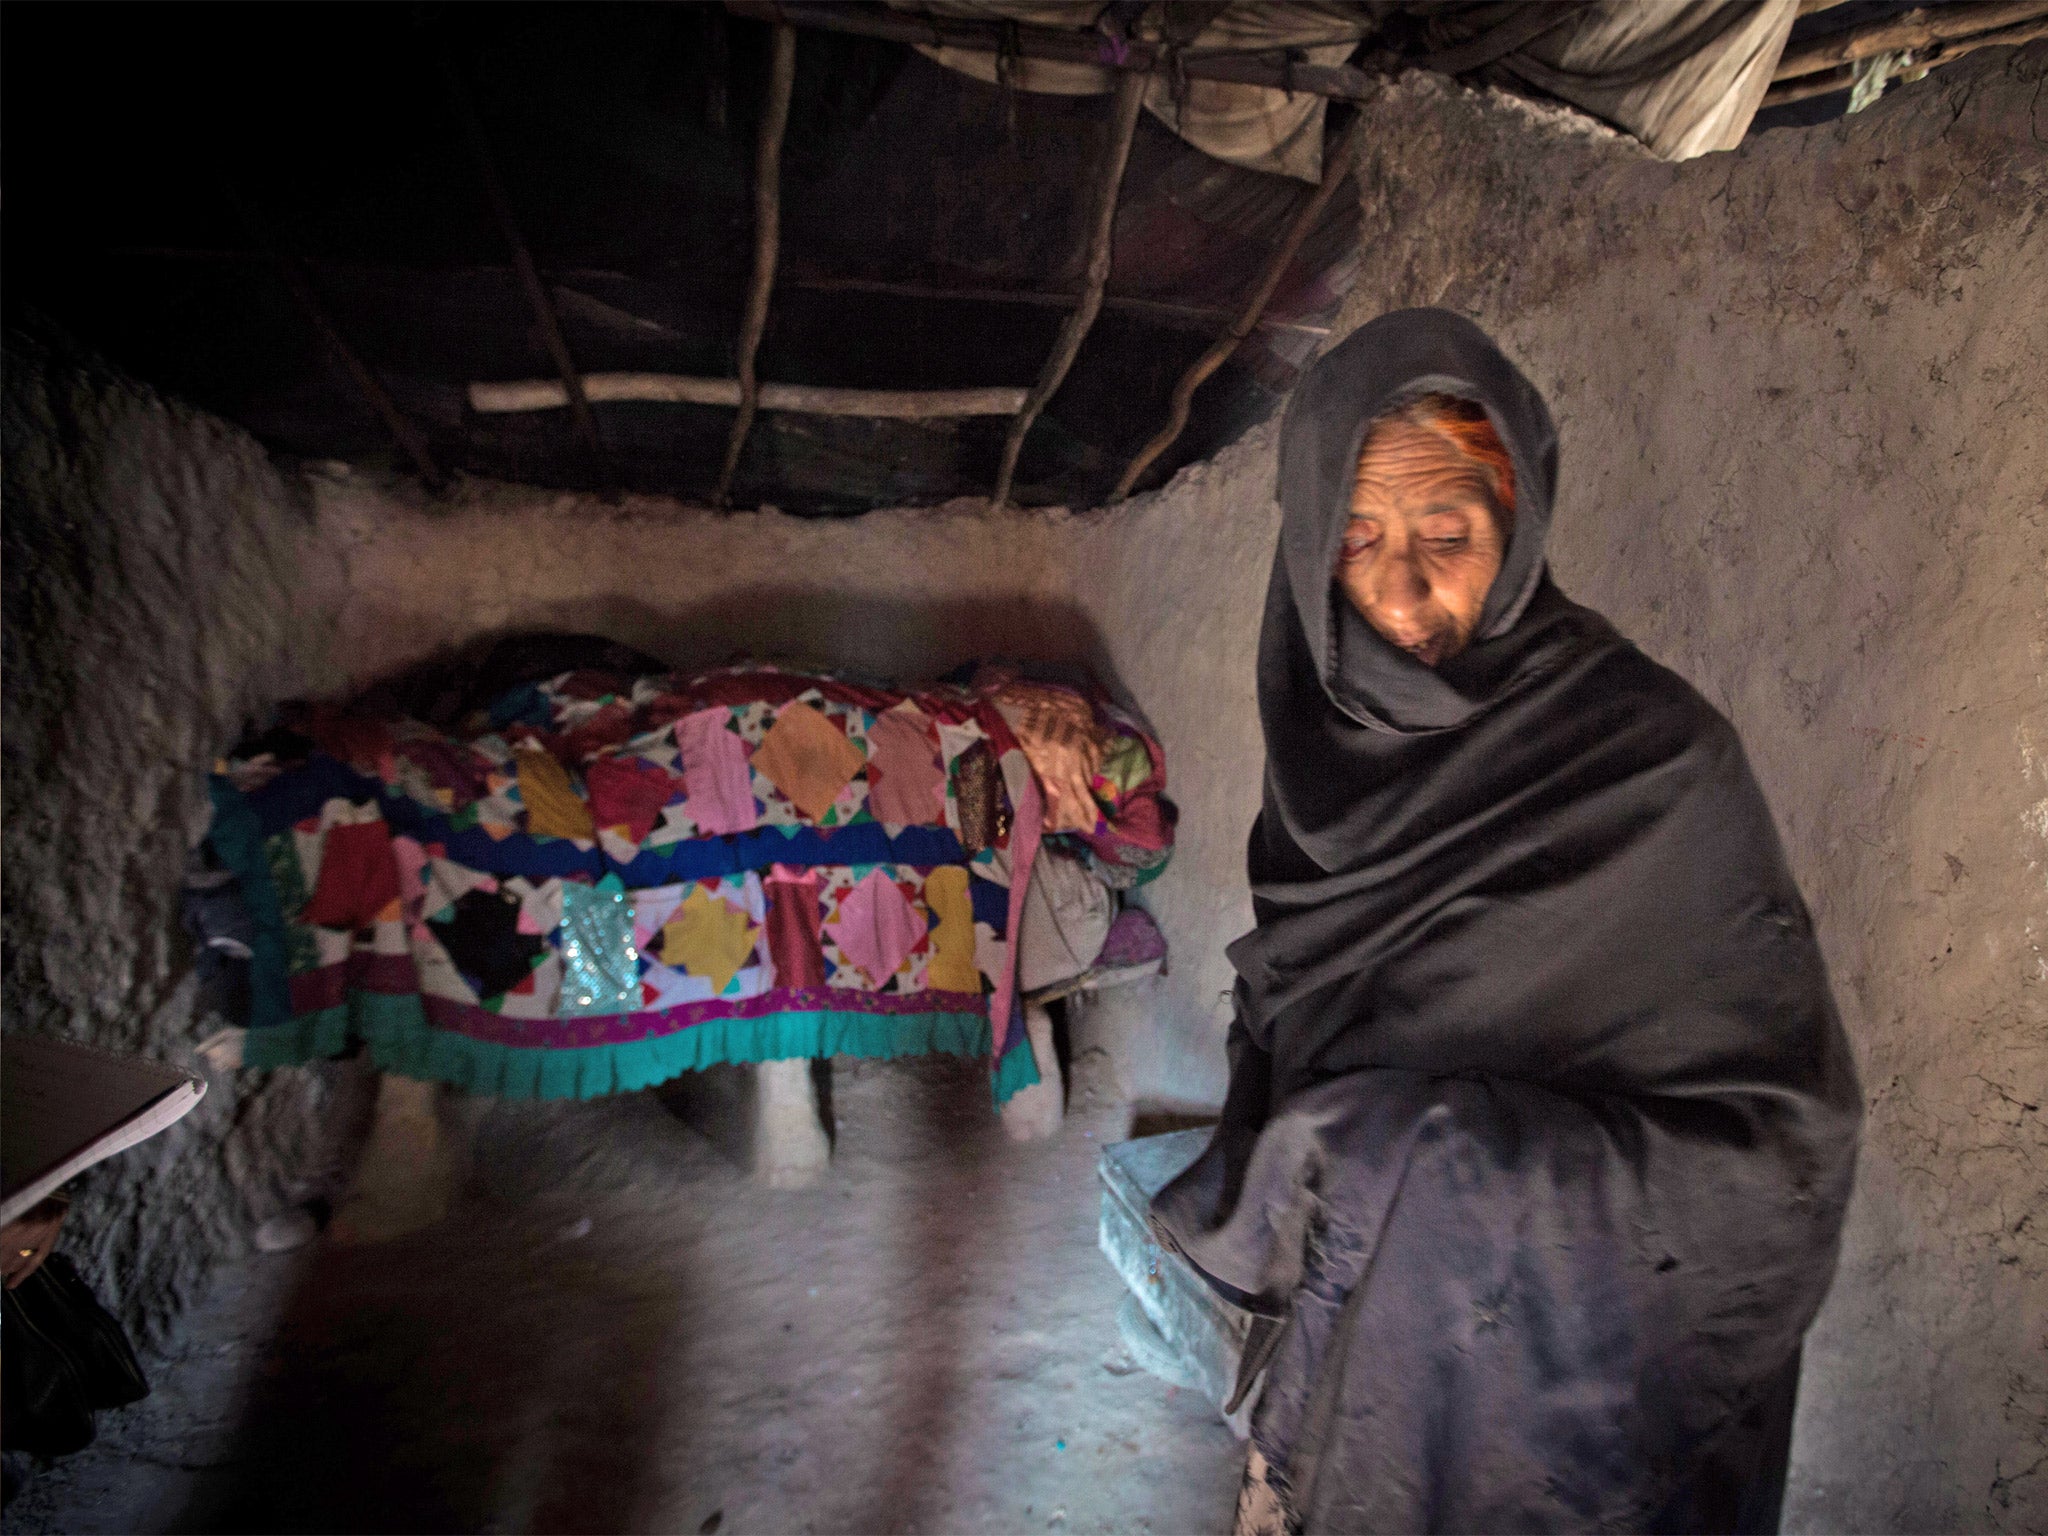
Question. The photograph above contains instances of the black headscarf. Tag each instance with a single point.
(1541, 1121)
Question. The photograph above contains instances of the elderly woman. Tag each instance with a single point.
(1541, 1121)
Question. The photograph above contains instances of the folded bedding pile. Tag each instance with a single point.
(594, 881)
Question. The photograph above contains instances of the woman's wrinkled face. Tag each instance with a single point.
(1424, 542)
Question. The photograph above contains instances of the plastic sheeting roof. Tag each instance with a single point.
(1684, 79)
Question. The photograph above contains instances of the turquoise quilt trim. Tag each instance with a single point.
(399, 1039)
(307, 1037)
(1016, 1071)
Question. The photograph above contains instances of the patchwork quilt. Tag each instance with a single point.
(604, 879)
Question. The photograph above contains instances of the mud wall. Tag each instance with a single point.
(163, 583)
(1804, 464)
(1798, 387)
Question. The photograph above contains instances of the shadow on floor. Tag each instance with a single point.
(1158, 1122)
(616, 1330)
(506, 1369)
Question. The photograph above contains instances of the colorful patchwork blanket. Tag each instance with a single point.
(603, 879)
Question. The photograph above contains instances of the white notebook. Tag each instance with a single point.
(64, 1106)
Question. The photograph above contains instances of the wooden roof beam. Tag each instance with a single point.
(1336, 167)
(1801, 87)
(518, 395)
(1914, 30)
(537, 296)
(767, 245)
(1130, 97)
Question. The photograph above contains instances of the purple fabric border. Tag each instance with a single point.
(329, 986)
(621, 1028)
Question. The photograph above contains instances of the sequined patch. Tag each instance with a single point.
(600, 965)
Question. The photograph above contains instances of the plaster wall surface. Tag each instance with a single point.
(890, 592)
(163, 584)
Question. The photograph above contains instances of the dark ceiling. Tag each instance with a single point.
(155, 158)
(625, 137)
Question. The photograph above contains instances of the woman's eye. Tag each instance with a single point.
(1448, 542)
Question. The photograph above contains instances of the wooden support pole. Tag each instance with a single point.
(1803, 86)
(2002, 37)
(1336, 167)
(767, 244)
(1915, 29)
(1807, 86)
(537, 296)
(407, 436)
(1130, 96)
(808, 399)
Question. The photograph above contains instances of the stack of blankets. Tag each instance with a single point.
(597, 880)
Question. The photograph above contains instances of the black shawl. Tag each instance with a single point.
(1541, 1121)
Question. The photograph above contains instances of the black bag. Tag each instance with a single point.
(62, 1356)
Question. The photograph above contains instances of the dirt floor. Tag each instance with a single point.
(615, 1329)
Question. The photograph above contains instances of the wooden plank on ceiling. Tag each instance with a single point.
(518, 395)
(1916, 29)
(767, 245)
(1335, 169)
(537, 295)
(1130, 96)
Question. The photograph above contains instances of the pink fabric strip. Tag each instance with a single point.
(720, 791)
(1023, 854)
(906, 785)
